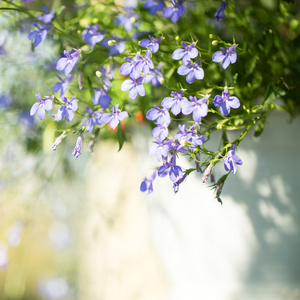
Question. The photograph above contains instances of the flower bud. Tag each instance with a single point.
(215, 42)
(111, 42)
(58, 141)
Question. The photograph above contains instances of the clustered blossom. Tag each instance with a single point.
(41, 27)
(141, 69)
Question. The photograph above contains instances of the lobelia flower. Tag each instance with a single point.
(160, 149)
(92, 36)
(171, 169)
(78, 145)
(147, 184)
(199, 108)
(93, 118)
(107, 75)
(175, 11)
(67, 110)
(67, 61)
(231, 160)
(39, 34)
(220, 13)
(40, 107)
(183, 135)
(62, 85)
(129, 67)
(48, 16)
(115, 117)
(115, 45)
(161, 115)
(154, 6)
(102, 98)
(144, 63)
(161, 131)
(226, 56)
(192, 70)
(175, 102)
(186, 54)
(225, 102)
(152, 43)
(134, 86)
(127, 20)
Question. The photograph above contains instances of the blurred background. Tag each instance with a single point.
(81, 229)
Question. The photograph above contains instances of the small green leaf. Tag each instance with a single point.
(120, 136)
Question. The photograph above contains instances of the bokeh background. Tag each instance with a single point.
(81, 229)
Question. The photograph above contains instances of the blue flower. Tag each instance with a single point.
(175, 11)
(226, 56)
(199, 108)
(115, 45)
(93, 118)
(154, 6)
(160, 149)
(154, 76)
(176, 102)
(39, 34)
(186, 54)
(67, 110)
(134, 86)
(127, 20)
(152, 43)
(231, 160)
(115, 117)
(129, 67)
(192, 70)
(147, 184)
(220, 13)
(225, 102)
(62, 85)
(68, 60)
(92, 36)
(40, 107)
(47, 17)
(170, 168)
(102, 98)
(161, 115)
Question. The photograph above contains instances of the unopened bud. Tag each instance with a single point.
(211, 36)
(207, 172)
(215, 42)
(177, 37)
(133, 20)
(58, 141)
(183, 143)
(111, 42)
(99, 74)
(80, 80)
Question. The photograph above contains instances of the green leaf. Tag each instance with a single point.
(120, 136)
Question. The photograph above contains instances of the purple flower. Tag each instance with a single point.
(68, 60)
(67, 110)
(144, 63)
(38, 35)
(102, 98)
(199, 108)
(231, 160)
(154, 76)
(175, 102)
(225, 102)
(115, 45)
(161, 131)
(62, 85)
(126, 20)
(40, 107)
(171, 169)
(183, 135)
(185, 54)
(178, 182)
(175, 11)
(192, 70)
(154, 6)
(134, 86)
(152, 43)
(115, 117)
(129, 67)
(161, 115)
(47, 17)
(92, 36)
(78, 145)
(159, 149)
(93, 118)
(220, 13)
(225, 56)
(147, 184)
